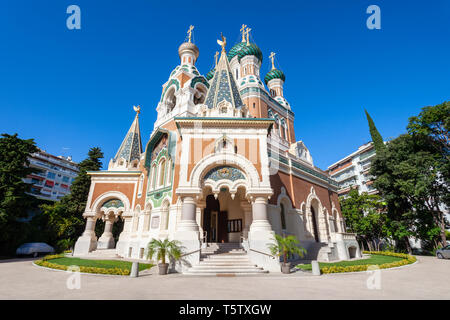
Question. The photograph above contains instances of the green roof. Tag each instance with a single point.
(274, 74)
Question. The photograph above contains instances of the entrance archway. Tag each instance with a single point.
(223, 218)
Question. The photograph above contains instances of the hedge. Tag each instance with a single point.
(407, 259)
(44, 262)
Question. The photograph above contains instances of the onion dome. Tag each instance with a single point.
(241, 50)
(188, 47)
(274, 74)
(210, 74)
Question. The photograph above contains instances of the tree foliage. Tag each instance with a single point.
(376, 136)
(15, 202)
(65, 218)
(364, 215)
(412, 176)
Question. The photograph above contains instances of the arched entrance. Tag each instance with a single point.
(223, 216)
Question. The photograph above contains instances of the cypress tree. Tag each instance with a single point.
(376, 136)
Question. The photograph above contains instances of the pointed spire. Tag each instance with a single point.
(131, 147)
(223, 87)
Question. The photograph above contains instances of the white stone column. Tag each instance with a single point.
(123, 242)
(248, 219)
(88, 241)
(188, 234)
(260, 236)
(260, 219)
(106, 241)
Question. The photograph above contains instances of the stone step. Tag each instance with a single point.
(219, 267)
(227, 262)
(226, 270)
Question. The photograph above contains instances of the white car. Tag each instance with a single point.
(34, 249)
(443, 253)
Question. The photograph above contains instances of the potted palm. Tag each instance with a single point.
(286, 247)
(163, 249)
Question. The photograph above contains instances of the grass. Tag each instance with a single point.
(107, 264)
(373, 260)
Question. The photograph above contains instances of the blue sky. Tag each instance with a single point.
(74, 89)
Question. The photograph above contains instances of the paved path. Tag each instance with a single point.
(427, 279)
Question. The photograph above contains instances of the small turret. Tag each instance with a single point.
(274, 79)
(188, 51)
(129, 153)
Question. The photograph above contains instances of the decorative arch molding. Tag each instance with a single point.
(284, 198)
(309, 201)
(100, 200)
(172, 82)
(231, 159)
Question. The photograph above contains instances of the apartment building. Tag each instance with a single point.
(353, 171)
(56, 176)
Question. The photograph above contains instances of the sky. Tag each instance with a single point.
(71, 90)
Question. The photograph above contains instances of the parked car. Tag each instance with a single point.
(34, 249)
(443, 253)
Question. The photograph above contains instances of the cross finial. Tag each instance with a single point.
(272, 57)
(247, 32)
(222, 43)
(137, 109)
(189, 32)
(215, 56)
(243, 32)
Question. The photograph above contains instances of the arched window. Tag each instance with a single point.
(141, 185)
(283, 217)
(162, 172)
(171, 100)
(237, 74)
(153, 177)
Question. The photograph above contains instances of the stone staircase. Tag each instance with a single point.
(224, 259)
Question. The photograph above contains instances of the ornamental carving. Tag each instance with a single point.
(224, 172)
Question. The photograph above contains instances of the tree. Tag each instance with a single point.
(65, 218)
(364, 215)
(376, 136)
(408, 177)
(14, 198)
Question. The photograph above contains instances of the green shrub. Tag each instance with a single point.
(407, 259)
(46, 262)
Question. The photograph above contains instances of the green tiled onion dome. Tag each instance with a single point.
(234, 51)
(274, 74)
(241, 50)
(210, 74)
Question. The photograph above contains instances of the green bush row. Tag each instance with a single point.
(44, 262)
(407, 259)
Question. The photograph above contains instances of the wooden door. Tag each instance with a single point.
(222, 227)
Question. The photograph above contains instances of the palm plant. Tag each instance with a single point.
(164, 248)
(286, 247)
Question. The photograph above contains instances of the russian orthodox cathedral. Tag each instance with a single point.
(221, 169)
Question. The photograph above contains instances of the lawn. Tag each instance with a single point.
(373, 260)
(107, 264)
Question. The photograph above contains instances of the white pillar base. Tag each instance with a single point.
(84, 245)
(106, 242)
(259, 240)
(190, 242)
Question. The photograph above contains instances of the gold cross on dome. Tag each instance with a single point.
(243, 32)
(272, 57)
(247, 32)
(189, 32)
(215, 56)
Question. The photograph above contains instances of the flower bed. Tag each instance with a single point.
(404, 259)
(407, 259)
(123, 271)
